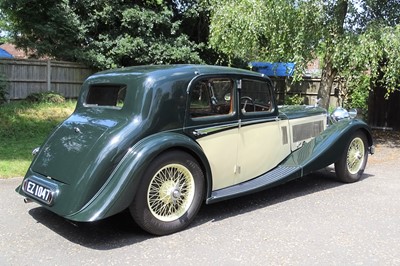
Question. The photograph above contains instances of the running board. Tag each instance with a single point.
(280, 174)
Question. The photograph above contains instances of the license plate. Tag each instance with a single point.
(39, 192)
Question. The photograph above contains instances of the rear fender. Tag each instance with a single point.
(120, 189)
(328, 147)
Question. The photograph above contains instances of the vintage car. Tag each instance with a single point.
(161, 140)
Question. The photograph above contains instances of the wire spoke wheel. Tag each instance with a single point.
(355, 155)
(350, 166)
(171, 192)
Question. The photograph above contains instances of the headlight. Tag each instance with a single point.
(341, 113)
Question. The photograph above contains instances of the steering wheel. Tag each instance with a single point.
(246, 99)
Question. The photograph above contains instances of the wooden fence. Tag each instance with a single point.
(382, 113)
(307, 89)
(26, 76)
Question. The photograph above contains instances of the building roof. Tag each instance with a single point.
(13, 51)
(5, 54)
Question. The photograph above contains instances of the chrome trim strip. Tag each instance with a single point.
(214, 129)
(259, 121)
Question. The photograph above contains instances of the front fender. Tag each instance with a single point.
(328, 147)
(120, 188)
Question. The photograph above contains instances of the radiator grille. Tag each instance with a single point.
(307, 130)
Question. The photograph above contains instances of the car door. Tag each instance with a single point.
(263, 141)
(213, 122)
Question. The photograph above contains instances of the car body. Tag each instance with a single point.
(160, 140)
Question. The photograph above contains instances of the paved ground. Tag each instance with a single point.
(310, 221)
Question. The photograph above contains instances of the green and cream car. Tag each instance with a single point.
(161, 140)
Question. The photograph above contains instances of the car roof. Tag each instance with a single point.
(166, 70)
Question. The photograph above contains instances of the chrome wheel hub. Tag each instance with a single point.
(169, 192)
(176, 194)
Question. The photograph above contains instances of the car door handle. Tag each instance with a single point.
(198, 133)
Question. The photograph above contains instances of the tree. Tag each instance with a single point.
(294, 31)
(370, 52)
(340, 32)
(3, 28)
(195, 17)
(102, 33)
(334, 15)
(258, 30)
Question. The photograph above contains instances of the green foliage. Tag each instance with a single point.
(369, 60)
(47, 27)
(383, 12)
(101, 33)
(3, 88)
(4, 27)
(271, 31)
(236, 27)
(367, 54)
(359, 42)
(295, 99)
(45, 97)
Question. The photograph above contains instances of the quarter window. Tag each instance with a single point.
(256, 96)
(211, 97)
(106, 95)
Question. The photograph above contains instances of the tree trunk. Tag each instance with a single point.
(329, 72)
(327, 78)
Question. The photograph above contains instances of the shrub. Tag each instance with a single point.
(295, 99)
(3, 88)
(45, 97)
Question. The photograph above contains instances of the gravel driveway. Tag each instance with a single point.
(311, 221)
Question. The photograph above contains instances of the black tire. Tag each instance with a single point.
(170, 194)
(350, 167)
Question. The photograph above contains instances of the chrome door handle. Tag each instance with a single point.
(198, 133)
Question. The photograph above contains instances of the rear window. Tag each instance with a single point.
(106, 95)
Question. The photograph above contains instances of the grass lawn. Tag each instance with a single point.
(24, 126)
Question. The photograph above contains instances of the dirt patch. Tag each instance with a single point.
(386, 138)
(387, 147)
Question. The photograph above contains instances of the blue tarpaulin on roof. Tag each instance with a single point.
(273, 69)
(5, 54)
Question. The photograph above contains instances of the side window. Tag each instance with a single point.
(256, 96)
(210, 97)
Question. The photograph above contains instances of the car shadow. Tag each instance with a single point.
(120, 230)
(318, 181)
(110, 233)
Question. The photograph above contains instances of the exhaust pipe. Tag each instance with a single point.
(27, 200)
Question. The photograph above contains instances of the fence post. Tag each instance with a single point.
(48, 75)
